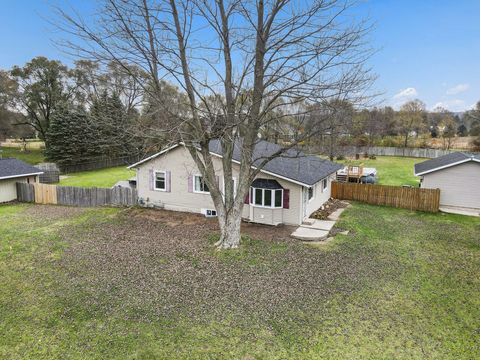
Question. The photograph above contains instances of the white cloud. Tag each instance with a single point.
(407, 93)
(460, 88)
(451, 105)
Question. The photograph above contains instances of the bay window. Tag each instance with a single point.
(266, 193)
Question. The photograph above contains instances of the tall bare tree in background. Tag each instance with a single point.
(410, 119)
(259, 60)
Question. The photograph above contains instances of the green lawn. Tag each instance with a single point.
(30, 156)
(98, 178)
(391, 170)
(110, 283)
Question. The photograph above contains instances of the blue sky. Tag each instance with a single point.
(427, 49)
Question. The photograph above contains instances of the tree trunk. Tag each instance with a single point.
(229, 231)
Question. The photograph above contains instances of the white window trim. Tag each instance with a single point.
(195, 182)
(313, 193)
(252, 198)
(155, 172)
(326, 186)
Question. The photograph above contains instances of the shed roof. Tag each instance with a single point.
(13, 168)
(444, 162)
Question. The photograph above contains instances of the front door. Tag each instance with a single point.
(305, 201)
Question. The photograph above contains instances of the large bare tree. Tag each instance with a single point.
(242, 64)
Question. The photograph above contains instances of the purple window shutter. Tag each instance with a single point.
(190, 183)
(168, 181)
(150, 178)
(286, 198)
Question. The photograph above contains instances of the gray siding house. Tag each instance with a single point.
(457, 175)
(286, 191)
(13, 171)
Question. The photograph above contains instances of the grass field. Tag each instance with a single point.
(32, 157)
(111, 283)
(391, 170)
(98, 178)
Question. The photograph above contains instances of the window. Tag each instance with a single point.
(267, 198)
(310, 193)
(324, 184)
(278, 198)
(160, 182)
(211, 213)
(258, 197)
(200, 185)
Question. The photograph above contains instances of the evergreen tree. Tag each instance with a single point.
(462, 130)
(69, 138)
(111, 126)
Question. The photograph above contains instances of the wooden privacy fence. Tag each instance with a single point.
(396, 196)
(99, 163)
(76, 196)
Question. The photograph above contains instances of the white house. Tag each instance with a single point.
(286, 191)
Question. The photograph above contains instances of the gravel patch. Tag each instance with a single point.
(53, 213)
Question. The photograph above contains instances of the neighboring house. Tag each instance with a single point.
(13, 171)
(286, 191)
(457, 175)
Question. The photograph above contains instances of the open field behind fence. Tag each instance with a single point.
(392, 151)
(395, 196)
(76, 196)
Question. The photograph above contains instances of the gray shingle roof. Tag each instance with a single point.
(293, 164)
(444, 161)
(11, 168)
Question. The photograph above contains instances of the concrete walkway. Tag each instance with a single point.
(313, 230)
(317, 230)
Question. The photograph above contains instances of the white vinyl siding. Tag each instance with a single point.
(459, 185)
(8, 187)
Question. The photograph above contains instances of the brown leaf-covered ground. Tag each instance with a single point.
(150, 264)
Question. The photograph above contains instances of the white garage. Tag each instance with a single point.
(11, 172)
(457, 175)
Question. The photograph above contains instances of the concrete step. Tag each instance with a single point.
(308, 221)
(320, 225)
(309, 234)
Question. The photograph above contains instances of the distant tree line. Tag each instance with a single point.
(91, 111)
(409, 126)
(84, 112)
